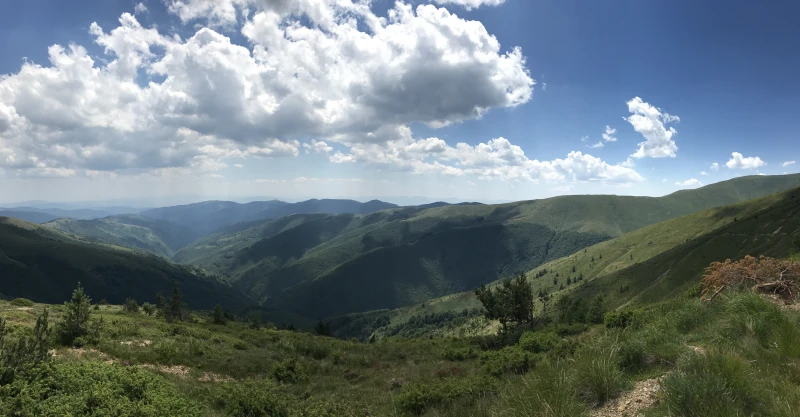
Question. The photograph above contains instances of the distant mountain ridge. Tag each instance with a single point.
(45, 265)
(209, 216)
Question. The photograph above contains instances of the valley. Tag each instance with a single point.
(373, 312)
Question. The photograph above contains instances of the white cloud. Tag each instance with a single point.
(471, 4)
(584, 139)
(650, 122)
(317, 147)
(738, 161)
(207, 99)
(628, 163)
(664, 180)
(692, 183)
(495, 159)
(140, 8)
(596, 145)
(703, 173)
(300, 180)
(787, 163)
(715, 166)
(609, 134)
(238, 165)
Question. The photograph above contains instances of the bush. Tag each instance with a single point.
(97, 389)
(511, 359)
(22, 302)
(599, 377)
(29, 351)
(288, 371)
(131, 306)
(538, 342)
(148, 308)
(251, 398)
(417, 398)
(550, 392)
(620, 319)
(713, 384)
(457, 355)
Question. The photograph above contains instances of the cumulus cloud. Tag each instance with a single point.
(140, 8)
(692, 183)
(610, 134)
(495, 159)
(715, 166)
(471, 4)
(317, 147)
(703, 173)
(650, 122)
(307, 70)
(238, 165)
(738, 161)
(787, 163)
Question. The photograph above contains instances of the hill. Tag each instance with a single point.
(642, 267)
(337, 265)
(209, 216)
(45, 265)
(158, 236)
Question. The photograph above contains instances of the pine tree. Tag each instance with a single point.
(573, 268)
(592, 258)
(161, 305)
(596, 312)
(76, 317)
(255, 320)
(569, 281)
(219, 315)
(175, 306)
(323, 329)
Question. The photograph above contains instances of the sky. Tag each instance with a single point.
(478, 100)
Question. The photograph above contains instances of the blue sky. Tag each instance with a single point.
(332, 122)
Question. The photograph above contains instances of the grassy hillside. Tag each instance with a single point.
(403, 256)
(649, 264)
(209, 216)
(732, 357)
(43, 264)
(158, 236)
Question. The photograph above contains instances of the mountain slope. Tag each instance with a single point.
(207, 217)
(400, 256)
(158, 236)
(45, 265)
(653, 263)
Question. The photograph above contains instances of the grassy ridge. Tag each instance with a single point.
(43, 264)
(658, 261)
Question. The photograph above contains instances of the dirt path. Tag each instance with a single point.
(630, 403)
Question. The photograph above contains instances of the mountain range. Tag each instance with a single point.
(324, 258)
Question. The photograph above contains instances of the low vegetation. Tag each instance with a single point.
(713, 357)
